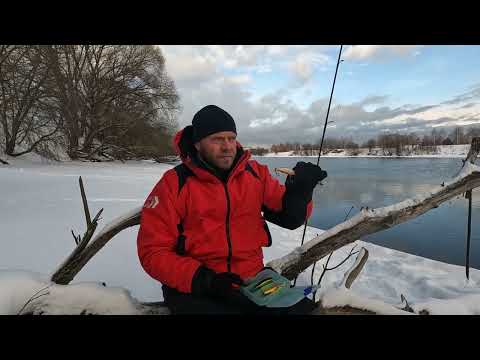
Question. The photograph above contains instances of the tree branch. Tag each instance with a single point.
(77, 260)
(85, 203)
(356, 268)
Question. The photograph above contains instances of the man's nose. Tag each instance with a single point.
(228, 145)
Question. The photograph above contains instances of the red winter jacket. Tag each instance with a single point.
(193, 218)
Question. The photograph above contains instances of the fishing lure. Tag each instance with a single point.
(272, 290)
(263, 283)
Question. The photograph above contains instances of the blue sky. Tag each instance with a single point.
(279, 93)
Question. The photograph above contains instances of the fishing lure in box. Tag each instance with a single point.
(270, 289)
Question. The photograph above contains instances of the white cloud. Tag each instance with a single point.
(277, 49)
(266, 122)
(457, 115)
(187, 65)
(262, 69)
(239, 79)
(363, 52)
(247, 55)
(303, 65)
(302, 68)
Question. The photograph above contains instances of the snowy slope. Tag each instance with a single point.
(427, 285)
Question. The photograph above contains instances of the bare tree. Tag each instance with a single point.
(371, 143)
(24, 114)
(458, 136)
(473, 132)
(103, 91)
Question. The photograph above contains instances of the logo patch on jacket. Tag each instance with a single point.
(151, 202)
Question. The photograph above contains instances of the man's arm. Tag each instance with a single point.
(283, 206)
(290, 205)
(157, 237)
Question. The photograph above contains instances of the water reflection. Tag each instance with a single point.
(439, 234)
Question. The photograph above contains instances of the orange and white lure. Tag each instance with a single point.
(284, 170)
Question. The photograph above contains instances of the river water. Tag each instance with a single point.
(440, 234)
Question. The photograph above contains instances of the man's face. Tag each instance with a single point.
(219, 149)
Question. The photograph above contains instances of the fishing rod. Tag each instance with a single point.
(321, 143)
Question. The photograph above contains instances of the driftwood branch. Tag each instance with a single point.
(407, 307)
(83, 253)
(473, 152)
(85, 203)
(352, 273)
(356, 307)
(326, 268)
(62, 275)
(328, 259)
(370, 221)
(356, 268)
(3, 162)
(323, 271)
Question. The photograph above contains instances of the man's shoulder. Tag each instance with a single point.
(180, 170)
(253, 162)
(257, 169)
(167, 175)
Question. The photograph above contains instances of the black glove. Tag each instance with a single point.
(208, 282)
(307, 176)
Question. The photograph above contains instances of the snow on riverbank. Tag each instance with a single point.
(442, 151)
(41, 203)
(428, 285)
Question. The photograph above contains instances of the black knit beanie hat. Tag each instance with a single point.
(210, 120)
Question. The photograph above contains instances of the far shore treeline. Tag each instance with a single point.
(384, 144)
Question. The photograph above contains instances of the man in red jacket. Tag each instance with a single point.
(202, 229)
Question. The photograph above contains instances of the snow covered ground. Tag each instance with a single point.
(41, 203)
(442, 151)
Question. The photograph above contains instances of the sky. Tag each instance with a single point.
(280, 93)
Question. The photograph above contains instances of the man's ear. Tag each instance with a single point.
(197, 146)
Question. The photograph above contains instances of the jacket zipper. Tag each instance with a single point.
(227, 221)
